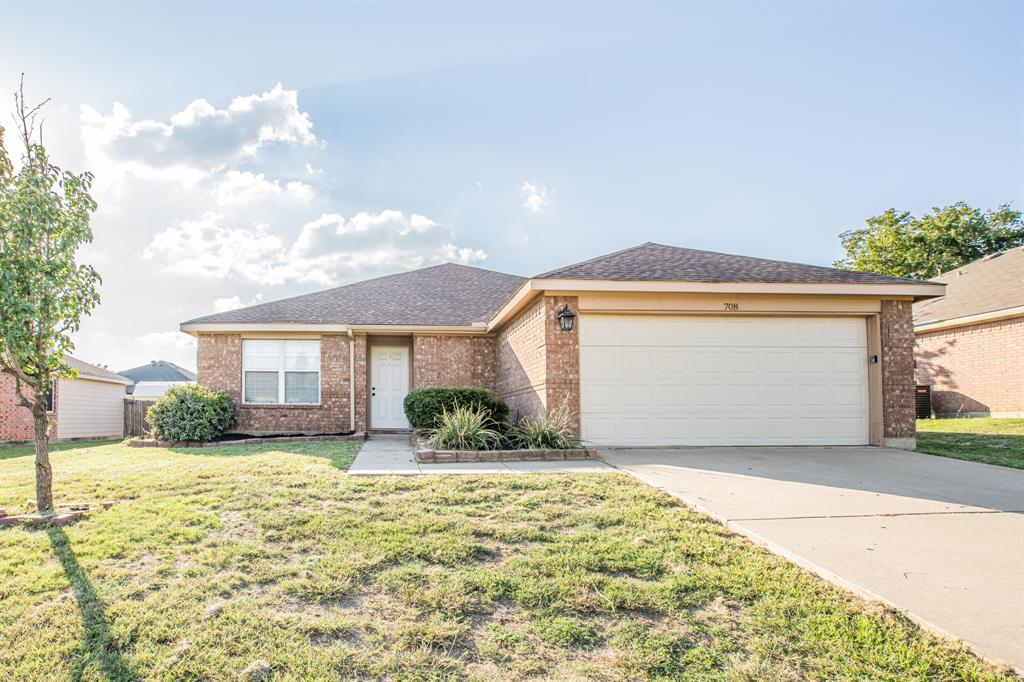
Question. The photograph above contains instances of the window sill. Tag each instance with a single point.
(278, 406)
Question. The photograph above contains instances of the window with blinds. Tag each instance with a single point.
(280, 372)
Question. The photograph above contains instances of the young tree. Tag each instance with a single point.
(44, 291)
(901, 245)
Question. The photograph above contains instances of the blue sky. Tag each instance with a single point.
(517, 137)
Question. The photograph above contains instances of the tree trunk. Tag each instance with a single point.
(44, 474)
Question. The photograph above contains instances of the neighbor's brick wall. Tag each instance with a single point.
(220, 368)
(897, 332)
(977, 369)
(15, 420)
(522, 363)
(444, 361)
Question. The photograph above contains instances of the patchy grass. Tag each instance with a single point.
(27, 449)
(990, 441)
(217, 559)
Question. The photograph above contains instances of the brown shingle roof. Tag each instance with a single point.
(442, 295)
(987, 285)
(87, 371)
(658, 262)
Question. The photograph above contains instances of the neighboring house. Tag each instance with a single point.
(667, 346)
(970, 343)
(90, 406)
(154, 390)
(158, 370)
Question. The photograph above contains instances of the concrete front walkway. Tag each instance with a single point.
(388, 454)
(941, 539)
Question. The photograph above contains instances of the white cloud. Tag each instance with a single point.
(222, 305)
(243, 187)
(328, 250)
(535, 197)
(206, 248)
(200, 138)
(167, 340)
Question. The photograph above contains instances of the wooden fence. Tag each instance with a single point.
(135, 423)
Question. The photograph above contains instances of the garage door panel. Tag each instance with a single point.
(723, 380)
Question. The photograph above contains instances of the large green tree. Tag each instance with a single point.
(896, 243)
(44, 291)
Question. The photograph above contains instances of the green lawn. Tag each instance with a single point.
(9, 451)
(217, 559)
(991, 441)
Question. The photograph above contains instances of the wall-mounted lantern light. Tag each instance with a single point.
(566, 319)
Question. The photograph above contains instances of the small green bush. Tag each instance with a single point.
(191, 412)
(464, 428)
(553, 431)
(423, 406)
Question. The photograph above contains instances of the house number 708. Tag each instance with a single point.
(732, 307)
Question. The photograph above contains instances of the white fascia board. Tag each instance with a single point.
(531, 287)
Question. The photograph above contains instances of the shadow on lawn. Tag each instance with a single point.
(29, 449)
(100, 645)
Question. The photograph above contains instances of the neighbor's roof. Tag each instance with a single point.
(988, 285)
(87, 371)
(159, 370)
(441, 295)
(658, 262)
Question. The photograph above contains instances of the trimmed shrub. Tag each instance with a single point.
(464, 428)
(191, 412)
(553, 431)
(424, 406)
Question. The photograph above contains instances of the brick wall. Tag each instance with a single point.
(16, 421)
(453, 361)
(563, 359)
(521, 379)
(538, 364)
(897, 332)
(977, 369)
(220, 368)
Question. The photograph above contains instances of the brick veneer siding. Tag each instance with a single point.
(522, 364)
(563, 358)
(15, 420)
(440, 361)
(897, 336)
(220, 368)
(978, 369)
(538, 364)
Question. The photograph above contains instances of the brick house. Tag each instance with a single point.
(89, 406)
(970, 343)
(661, 346)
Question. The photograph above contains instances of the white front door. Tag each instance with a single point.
(389, 382)
(667, 380)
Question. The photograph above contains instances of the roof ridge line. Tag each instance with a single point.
(596, 258)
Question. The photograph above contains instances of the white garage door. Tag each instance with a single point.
(667, 380)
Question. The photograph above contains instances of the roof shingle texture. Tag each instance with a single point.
(987, 285)
(658, 262)
(442, 295)
(87, 371)
(158, 370)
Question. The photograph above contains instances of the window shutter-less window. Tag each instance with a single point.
(278, 371)
(261, 361)
(302, 372)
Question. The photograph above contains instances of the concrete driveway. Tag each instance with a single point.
(938, 538)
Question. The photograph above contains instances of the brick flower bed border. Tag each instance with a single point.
(426, 455)
(151, 443)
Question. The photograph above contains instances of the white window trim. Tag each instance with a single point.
(280, 379)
